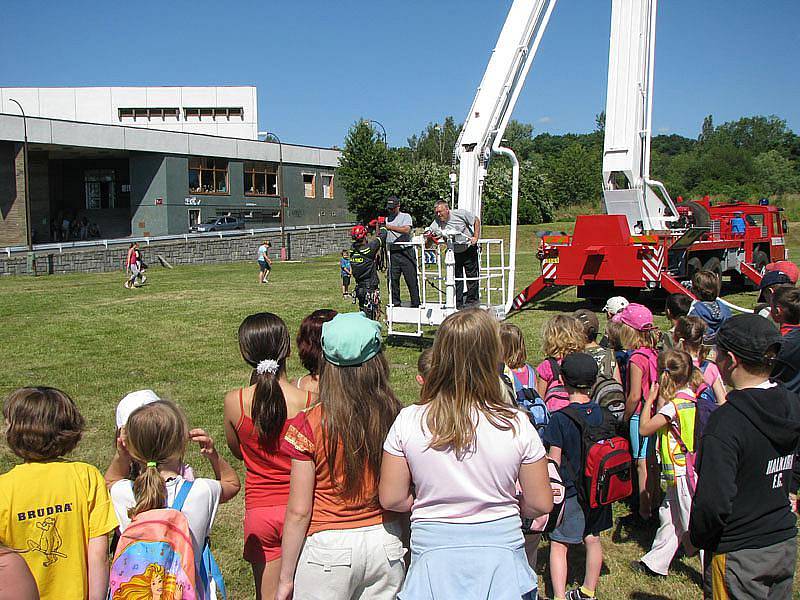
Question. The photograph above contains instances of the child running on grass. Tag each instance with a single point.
(56, 513)
(674, 400)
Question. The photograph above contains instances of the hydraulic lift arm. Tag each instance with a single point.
(627, 187)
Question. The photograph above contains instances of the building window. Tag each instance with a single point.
(214, 113)
(100, 188)
(327, 186)
(208, 176)
(161, 114)
(260, 179)
(309, 185)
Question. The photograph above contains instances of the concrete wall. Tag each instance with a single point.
(301, 245)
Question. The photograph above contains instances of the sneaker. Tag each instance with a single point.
(577, 594)
(144, 278)
(127, 285)
(642, 568)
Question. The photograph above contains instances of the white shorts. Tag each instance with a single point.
(351, 563)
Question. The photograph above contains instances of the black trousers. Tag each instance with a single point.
(467, 264)
(403, 261)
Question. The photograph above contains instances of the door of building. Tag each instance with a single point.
(194, 217)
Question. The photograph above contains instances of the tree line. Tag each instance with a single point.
(560, 175)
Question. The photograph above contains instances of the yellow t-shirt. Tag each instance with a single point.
(48, 513)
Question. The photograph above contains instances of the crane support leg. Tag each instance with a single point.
(750, 273)
(673, 286)
(530, 292)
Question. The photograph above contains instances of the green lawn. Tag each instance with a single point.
(89, 336)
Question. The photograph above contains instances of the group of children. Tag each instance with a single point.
(334, 464)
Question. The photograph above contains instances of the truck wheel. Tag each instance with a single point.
(713, 265)
(693, 266)
(700, 214)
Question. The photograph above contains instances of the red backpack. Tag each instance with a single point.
(605, 456)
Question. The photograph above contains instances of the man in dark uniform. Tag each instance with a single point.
(402, 259)
(364, 265)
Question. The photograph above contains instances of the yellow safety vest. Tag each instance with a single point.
(671, 451)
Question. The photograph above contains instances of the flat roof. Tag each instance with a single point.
(138, 139)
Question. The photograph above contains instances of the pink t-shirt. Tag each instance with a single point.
(477, 488)
(545, 371)
(711, 373)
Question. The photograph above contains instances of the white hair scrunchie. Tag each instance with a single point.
(268, 365)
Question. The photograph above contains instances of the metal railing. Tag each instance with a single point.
(106, 243)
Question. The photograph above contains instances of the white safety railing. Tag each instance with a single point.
(433, 286)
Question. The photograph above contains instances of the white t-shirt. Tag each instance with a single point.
(199, 508)
(478, 488)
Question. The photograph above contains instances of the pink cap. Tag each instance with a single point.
(787, 268)
(635, 315)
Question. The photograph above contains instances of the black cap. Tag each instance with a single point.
(579, 370)
(748, 337)
(771, 278)
(392, 202)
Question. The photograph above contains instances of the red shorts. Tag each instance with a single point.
(263, 532)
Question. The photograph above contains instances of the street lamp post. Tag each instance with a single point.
(383, 129)
(267, 134)
(440, 129)
(28, 234)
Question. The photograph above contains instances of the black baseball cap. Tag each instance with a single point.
(748, 336)
(771, 278)
(392, 202)
(579, 370)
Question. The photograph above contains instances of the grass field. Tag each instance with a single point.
(89, 336)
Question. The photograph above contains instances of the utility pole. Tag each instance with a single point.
(266, 135)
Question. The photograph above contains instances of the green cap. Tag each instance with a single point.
(350, 339)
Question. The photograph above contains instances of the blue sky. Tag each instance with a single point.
(319, 66)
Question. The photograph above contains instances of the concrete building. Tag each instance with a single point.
(154, 177)
(229, 111)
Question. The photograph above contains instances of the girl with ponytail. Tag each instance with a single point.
(674, 398)
(155, 438)
(688, 336)
(255, 423)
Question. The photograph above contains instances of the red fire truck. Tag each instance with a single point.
(602, 258)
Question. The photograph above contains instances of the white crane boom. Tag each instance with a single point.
(627, 187)
(497, 94)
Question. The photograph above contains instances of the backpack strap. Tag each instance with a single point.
(531, 376)
(675, 424)
(180, 497)
(555, 369)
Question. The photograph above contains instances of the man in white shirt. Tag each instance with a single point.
(401, 258)
(466, 253)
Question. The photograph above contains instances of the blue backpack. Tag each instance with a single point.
(706, 404)
(529, 400)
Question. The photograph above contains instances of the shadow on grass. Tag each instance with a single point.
(646, 596)
(626, 530)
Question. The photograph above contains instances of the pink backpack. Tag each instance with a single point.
(157, 545)
(556, 396)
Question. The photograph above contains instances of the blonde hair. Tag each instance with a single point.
(688, 336)
(512, 345)
(562, 335)
(139, 586)
(155, 433)
(464, 381)
(676, 371)
(633, 339)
